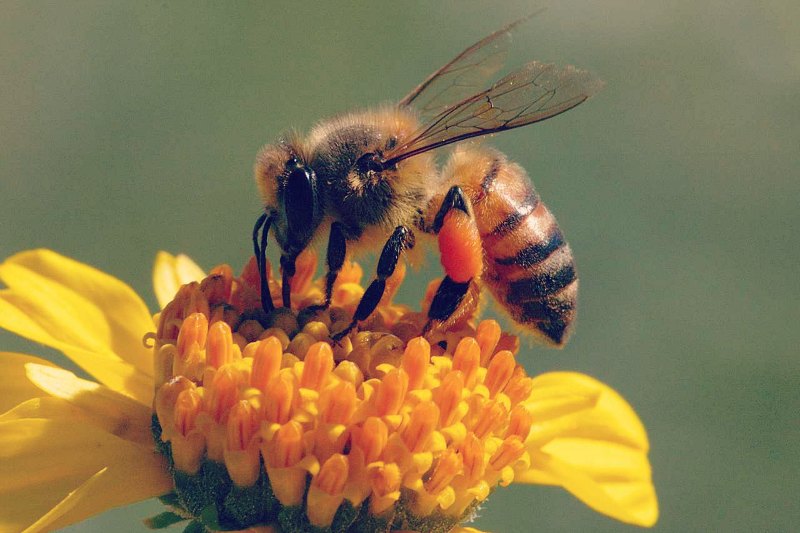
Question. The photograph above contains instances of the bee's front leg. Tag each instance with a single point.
(462, 259)
(401, 239)
(287, 273)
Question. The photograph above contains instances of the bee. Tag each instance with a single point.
(370, 177)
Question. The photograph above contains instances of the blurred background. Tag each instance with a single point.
(127, 128)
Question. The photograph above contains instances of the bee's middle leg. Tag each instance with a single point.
(461, 256)
(401, 239)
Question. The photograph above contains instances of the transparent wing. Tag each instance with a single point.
(469, 72)
(535, 92)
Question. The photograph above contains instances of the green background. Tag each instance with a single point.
(126, 128)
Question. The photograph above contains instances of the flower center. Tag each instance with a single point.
(265, 420)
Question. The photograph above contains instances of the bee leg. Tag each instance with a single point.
(337, 248)
(260, 249)
(288, 270)
(402, 238)
(461, 256)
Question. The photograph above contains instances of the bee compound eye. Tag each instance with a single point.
(299, 201)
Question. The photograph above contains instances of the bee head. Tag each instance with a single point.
(289, 189)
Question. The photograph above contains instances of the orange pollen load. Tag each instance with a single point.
(386, 413)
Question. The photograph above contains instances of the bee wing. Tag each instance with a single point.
(468, 72)
(535, 92)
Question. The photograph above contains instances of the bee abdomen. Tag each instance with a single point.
(529, 266)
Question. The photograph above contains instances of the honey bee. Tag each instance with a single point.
(370, 177)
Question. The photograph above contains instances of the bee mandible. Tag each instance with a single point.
(370, 177)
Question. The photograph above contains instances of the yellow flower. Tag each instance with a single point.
(243, 419)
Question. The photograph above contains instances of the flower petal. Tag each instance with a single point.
(44, 461)
(172, 271)
(589, 441)
(93, 318)
(107, 409)
(14, 384)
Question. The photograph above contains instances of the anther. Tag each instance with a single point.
(500, 370)
(448, 466)
(219, 350)
(187, 406)
(519, 386)
(286, 448)
(448, 396)
(472, 452)
(241, 454)
(491, 415)
(223, 393)
(266, 362)
(391, 392)
(520, 422)
(242, 425)
(317, 365)
(333, 474)
(467, 359)
(416, 360)
(278, 398)
(487, 335)
(337, 404)
(422, 422)
(371, 438)
(325, 492)
(507, 453)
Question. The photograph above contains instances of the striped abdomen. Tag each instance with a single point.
(528, 265)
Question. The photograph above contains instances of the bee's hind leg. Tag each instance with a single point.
(401, 239)
(462, 259)
(337, 248)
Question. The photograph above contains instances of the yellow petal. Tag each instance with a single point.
(93, 318)
(14, 384)
(99, 405)
(46, 460)
(597, 449)
(172, 271)
(569, 404)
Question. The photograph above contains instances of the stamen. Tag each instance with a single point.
(278, 398)
(391, 392)
(472, 452)
(509, 451)
(500, 370)
(220, 345)
(332, 475)
(317, 365)
(519, 386)
(187, 406)
(487, 335)
(491, 415)
(223, 393)
(241, 454)
(448, 466)
(337, 404)
(467, 359)
(385, 483)
(325, 492)
(371, 438)
(448, 396)
(422, 423)
(287, 446)
(416, 359)
(242, 425)
(266, 363)
(520, 422)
